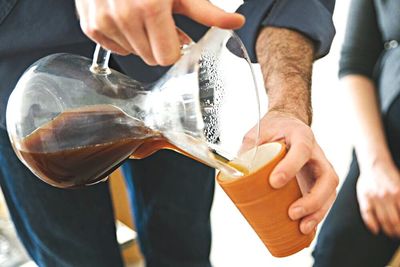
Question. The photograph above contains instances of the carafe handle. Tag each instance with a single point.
(101, 57)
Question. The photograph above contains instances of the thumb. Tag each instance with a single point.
(204, 12)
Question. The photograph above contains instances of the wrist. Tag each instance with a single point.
(373, 159)
(303, 114)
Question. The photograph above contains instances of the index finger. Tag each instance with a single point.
(163, 37)
(208, 14)
(323, 189)
(298, 155)
(368, 214)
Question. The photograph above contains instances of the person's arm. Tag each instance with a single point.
(378, 187)
(369, 138)
(313, 18)
(294, 34)
(286, 58)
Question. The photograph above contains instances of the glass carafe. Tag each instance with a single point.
(72, 120)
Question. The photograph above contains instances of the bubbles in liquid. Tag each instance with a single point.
(211, 95)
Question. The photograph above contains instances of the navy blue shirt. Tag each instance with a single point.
(372, 46)
(30, 30)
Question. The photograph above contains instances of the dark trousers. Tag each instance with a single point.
(344, 240)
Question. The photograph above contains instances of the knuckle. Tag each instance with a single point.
(249, 138)
(384, 220)
(396, 193)
(149, 62)
(335, 179)
(366, 216)
(164, 63)
(306, 148)
(97, 26)
(306, 145)
(394, 221)
(364, 213)
(311, 207)
(390, 195)
(334, 197)
(306, 209)
(311, 136)
(388, 230)
(284, 176)
(384, 195)
(365, 207)
(306, 132)
(319, 216)
(149, 8)
(167, 60)
(85, 27)
(369, 196)
(396, 190)
(366, 197)
(102, 20)
(123, 17)
(148, 59)
(147, 54)
(212, 21)
(125, 52)
(372, 197)
(91, 31)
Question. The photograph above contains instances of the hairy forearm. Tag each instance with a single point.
(286, 59)
(369, 140)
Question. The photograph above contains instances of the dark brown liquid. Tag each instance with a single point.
(83, 146)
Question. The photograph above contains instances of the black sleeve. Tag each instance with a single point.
(310, 17)
(363, 41)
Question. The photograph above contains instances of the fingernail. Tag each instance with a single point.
(296, 213)
(278, 180)
(308, 227)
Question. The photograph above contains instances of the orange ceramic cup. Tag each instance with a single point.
(266, 208)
